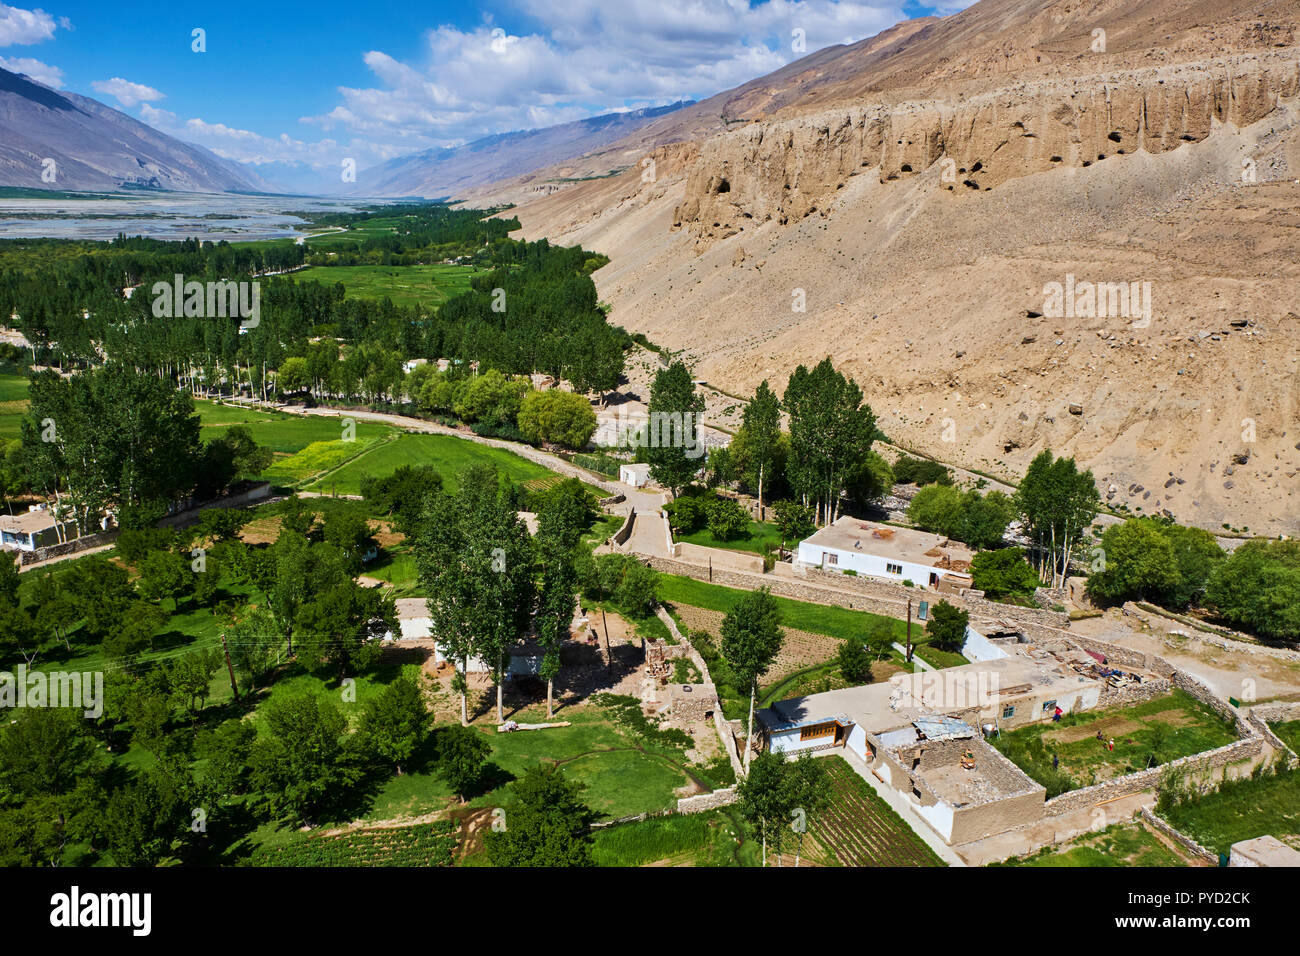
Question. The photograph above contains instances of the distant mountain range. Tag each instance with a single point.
(95, 147)
(440, 173)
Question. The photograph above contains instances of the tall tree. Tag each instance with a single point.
(831, 432)
(751, 639)
(396, 722)
(1056, 503)
(673, 440)
(476, 564)
(762, 427)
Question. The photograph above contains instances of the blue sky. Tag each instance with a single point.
(304, 84)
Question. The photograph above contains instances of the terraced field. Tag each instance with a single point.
(860, 829)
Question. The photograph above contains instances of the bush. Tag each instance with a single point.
(920, 471)
(687, 514)
(855, 662)
(1003, 573)
(727, 519)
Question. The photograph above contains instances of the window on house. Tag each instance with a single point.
(816, 730)
(830, 558)
(894, 568)
(1008, 712)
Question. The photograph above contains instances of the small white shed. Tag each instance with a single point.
(635, 474)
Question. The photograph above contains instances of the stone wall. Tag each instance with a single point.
(725, 733)
(703, 802)
(625, 529)
(1179, 837)
(1132, 783)
(1133, 693)
(76, 545)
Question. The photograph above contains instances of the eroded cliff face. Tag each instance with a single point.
(785, 170)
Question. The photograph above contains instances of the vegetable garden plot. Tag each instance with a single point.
(426, 844)
(860, 829)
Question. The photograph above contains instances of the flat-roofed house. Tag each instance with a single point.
(883, 551)
(31, 530)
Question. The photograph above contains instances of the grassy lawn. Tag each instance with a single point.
(1240, 810)
(425, 286)
(622, 776)
(817, 618)
(1146, 735)
(283, 433)
(716, 838)
(1122, 844)
(760, 533)
(1289, 731)
(446, 453)
(13, 403)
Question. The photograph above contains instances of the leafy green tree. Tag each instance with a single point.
(162, 577)
(403, 494)
(1056, 503)
(1003, 573)
(545, 823)
(947, 627)
(255, 643)
(462, 753)
(762, 427)
(831, 431)
(556, 600)
(190, 677)
(794, 520)
(854, 661)
(45, 750)
(566, 509)
(808, 793)
(396, 722)
(727, 519)
(476, 564)
(936, 508)
(556, 417)
(304, 763)
(1257, 588)
(341, 622)
(1139, 563)
(352, 534)
(293, 376)
(751, 639)
(764, 797)
(673, 447)
(920, 471)
(226, 751)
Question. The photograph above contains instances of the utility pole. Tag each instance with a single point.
(909, 630)
(234, 689)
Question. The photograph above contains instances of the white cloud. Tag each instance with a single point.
(38, 71)
(25, 27)
(125, 92)
(587, 57)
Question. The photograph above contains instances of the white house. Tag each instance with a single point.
(415, 624)
(883, 551)
(636, 474)
(33, 529)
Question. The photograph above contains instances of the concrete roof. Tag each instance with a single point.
(1266, 851)
(28, 522)
(409, 609)
(905, 544)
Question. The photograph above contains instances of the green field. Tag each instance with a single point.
(1146, 735)
(860, 829)
(1122, 844)
(13, 403)
(759, 533)
(448, 454)
(621, 775)
(1240, 810)
(424, 286)
(1289, 732)
(816, 618)
(702, 839)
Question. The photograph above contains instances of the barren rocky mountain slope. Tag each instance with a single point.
(924, 206)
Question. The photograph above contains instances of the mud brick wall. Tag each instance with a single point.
(1134, 693)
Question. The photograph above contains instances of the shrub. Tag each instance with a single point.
(727, 519)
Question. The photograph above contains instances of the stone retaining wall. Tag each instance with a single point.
(702, 803)
(1179, 837)
(625, 529)
(725, 735)
(84, 543)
